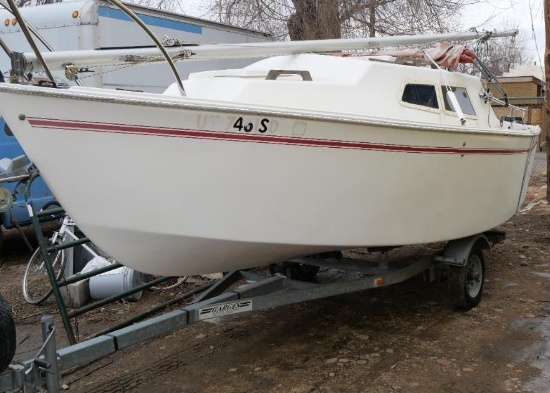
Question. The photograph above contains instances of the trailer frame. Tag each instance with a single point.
(235, 293)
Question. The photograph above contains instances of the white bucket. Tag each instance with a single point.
(116, 281)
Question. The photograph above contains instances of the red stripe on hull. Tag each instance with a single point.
(255, 138)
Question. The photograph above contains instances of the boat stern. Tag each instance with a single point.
(529, 165)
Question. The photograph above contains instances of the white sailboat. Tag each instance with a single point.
(294, 155)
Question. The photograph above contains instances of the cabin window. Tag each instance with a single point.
(462, 98)
(423, 95)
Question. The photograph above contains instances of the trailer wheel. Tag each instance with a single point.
(7, 335)
(466, 283)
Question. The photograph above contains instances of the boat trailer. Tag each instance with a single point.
(461, 263)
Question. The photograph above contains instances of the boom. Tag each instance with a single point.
(115, 57)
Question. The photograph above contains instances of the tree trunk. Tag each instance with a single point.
(372, 18)
(547, 93)
(314, 20)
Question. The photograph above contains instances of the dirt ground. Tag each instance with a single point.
(403, 338)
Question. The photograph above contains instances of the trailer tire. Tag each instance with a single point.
(466, 282)
(7, 335)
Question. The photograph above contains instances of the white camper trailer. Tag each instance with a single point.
(95, 24)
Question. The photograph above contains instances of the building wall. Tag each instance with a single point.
(518, 89)
(525, 92)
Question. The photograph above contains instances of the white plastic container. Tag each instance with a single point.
(114, 282)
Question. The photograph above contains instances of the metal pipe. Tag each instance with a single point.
(13, 178)
(42, 242)
(83, 276)
(159, 45)
(26, 32)
(50, 355)
(154, 310)
(505, 104)
(50, 212)
(119, 296)
(5, 47)
(541, 99)
(72, 243)
(21, 232)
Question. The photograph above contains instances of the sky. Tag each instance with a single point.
(525, 15)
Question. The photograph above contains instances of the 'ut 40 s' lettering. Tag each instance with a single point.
(241, 125)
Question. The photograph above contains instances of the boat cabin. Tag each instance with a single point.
(352, 86)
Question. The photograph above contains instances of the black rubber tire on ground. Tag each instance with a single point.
(7, 335)
(466, 283)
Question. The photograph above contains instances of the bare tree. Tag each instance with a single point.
(270, 16)
(314, 19)
(29, 3)
(500, 55)
(391, 17)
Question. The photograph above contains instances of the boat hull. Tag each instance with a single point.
(177, 188)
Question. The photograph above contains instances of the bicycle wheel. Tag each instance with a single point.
(36, 282)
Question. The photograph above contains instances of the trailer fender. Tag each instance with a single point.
(457, 251)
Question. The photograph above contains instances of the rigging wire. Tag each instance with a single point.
(534, 37)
